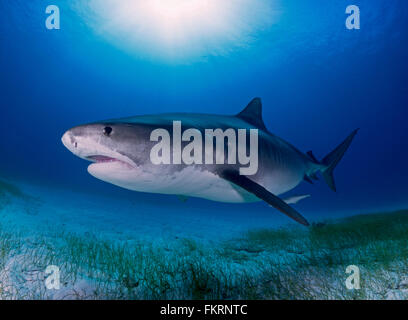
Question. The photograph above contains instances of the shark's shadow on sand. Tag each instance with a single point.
(10, 193)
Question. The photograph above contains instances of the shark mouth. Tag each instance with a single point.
(105, 159)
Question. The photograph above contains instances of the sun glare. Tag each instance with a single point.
(179, 29)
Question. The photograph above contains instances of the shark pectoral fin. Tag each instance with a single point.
(295, 199)
(245, 183)
(182, 198)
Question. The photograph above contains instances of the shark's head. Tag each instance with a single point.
(115, 149)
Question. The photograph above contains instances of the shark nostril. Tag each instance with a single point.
(75, 144)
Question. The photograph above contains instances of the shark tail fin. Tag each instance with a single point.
(333, 158)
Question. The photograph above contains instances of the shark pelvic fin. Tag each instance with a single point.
(247, 184)
(253, 113)
(295, 199)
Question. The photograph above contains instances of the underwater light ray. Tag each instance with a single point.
(178, 30)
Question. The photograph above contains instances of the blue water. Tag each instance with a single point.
(318, 81)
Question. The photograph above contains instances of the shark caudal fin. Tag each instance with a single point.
(333, 158)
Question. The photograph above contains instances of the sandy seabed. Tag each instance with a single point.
(152, 255)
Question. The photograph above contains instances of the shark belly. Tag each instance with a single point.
(193, 181)
(190, 181)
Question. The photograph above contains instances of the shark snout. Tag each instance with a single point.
(91, 143)
(69, 141)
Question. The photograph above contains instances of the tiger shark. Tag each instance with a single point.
(121, 154)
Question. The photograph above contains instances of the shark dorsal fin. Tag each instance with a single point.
(253, 113)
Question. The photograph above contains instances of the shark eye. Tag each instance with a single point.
(107, 131)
